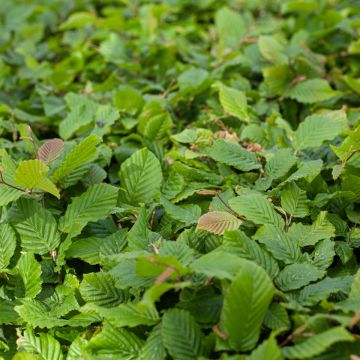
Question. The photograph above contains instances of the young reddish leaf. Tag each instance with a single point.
(218, 221)
(50, 150)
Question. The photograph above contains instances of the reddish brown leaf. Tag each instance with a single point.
(50, 150)
(217, 222)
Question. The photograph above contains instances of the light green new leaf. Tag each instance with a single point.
(312, 91)
(39, 232)
(182, 335)
(44, 345)
(77, 162)
(234, 102)
(7, 193)
(294, 200)
(217, 222)
(94, 204)
(256, 208)
(30, 272)
(31, 174)
(140, 177)
(230, 27)
(99, 289)
(233, 154)
(295, 276)
(245, 304)
(7, 245)
(316, 344)
(267, 350)
(316, 129)
(272, 50)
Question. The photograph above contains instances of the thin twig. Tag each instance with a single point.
(230, 209)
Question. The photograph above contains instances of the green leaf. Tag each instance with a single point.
(76, 163)
(267, 350)
(44, 345)
(187, 214)
(278, 243)
(115, 343)
(217, 222)
(277, 318)
(294, 200)
(237, 243)
(154, 347)
(233, 102)
(312, 91)
(140, 177)
(233, 154)
(96, 203)
(272, 50)
(316, 344)
(31, 174)
(39, 232)
(8, 168)
(230, 27)
(308, 170)
(30, 272)
(218, 264)
(100, 289)
(316, 129)
(256, 208)
(295, 276)
(245, 304)
(182, 335)
(7, 245)
(280, 163)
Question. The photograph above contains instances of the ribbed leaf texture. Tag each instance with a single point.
(44, 345)
(245, 303)
(233, 154)
(237, 243)
(182, 335)
(99, 289)
(294, 201)
(319, 128)
(217, 222)
(77, 162)
(312, 91)
(316, 344)
(115, 343)
(31, 174)
(7, 245)
(39, 232)
(256, 208)
(234, 102)
(140, 177)
(30, 272)
(95, 203)
(50, 150)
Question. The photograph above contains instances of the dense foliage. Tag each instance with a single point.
(179, 179)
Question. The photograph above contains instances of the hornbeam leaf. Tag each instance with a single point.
(218, 221)
(50, 150)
